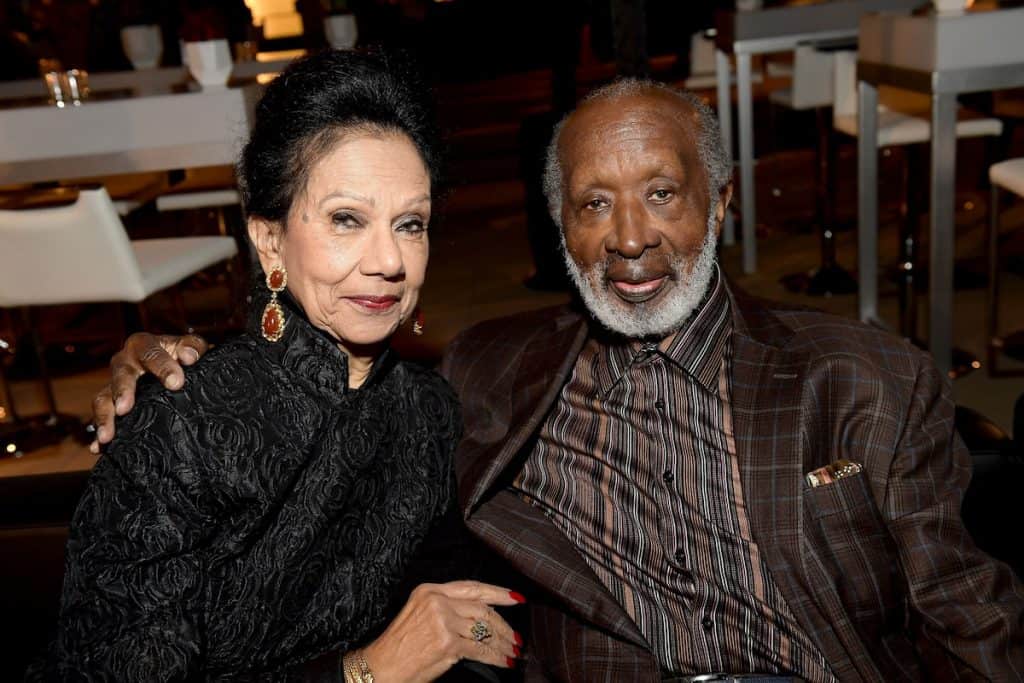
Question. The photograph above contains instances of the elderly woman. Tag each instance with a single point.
(259, 521)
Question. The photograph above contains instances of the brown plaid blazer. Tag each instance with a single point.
(876, 567)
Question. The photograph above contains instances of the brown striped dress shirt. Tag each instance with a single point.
(636, 464)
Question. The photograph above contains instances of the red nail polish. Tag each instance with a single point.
(519, 638)
(511, 662)
(517, 597)
(516, 650)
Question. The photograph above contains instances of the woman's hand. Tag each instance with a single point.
(162, 355)
(434, 631)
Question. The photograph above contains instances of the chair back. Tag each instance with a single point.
(78, 253)
(813, 72)
(844, 83)
(702, 54)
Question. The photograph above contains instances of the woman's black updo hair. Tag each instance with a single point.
(312, 102)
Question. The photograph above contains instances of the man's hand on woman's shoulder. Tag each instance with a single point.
(160, 355)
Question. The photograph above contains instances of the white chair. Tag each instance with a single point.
(899, 126)
(203, 188)
(202, 199)
(702, 62)
(80, 253)
(1009, 176)
(812, 85)
(895, 125)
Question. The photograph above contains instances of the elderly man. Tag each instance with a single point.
(696, 482)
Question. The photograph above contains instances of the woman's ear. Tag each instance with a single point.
(266, 237)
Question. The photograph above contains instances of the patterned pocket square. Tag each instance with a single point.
(832, 473)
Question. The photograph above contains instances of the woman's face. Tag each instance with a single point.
(355, 245)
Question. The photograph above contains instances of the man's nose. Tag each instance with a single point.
(632, 233)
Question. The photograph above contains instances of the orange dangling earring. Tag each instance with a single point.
(272, 323)
(417, 322)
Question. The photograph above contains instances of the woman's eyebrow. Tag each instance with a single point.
(422, 199)
(346, 194)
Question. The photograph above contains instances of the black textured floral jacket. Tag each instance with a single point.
(259, 522)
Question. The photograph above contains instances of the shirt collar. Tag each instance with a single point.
(696, 348)
(306, 351)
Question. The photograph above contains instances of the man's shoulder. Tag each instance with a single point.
(521, 325)
(826, 336)
(492, 342)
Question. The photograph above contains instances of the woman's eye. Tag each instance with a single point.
(414, 227)
(661, 195)
(344, 219)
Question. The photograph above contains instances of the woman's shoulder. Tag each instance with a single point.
(229, 372)
(425, 384)
(428, 399)
(226, 382)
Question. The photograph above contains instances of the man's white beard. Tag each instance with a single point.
(663, 315)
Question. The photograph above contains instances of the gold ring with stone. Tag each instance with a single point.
(480, 631)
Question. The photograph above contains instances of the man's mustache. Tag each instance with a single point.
(643, 269)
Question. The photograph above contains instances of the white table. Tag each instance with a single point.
(942, 57)
(777, 29)
(128, 135)
(145, 81)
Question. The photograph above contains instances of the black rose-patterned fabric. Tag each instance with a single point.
(256, 523)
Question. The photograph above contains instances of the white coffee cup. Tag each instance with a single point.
(341, 31)
(209, 62)
(950, 7)
(143, 45)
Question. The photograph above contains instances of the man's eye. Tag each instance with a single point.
(661, 195)
(344, 219)
(595, 204)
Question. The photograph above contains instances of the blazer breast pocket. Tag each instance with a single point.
(849, 535)
(848, 494)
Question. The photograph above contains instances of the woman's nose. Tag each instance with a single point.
(383, 257)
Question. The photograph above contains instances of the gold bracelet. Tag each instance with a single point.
(356, 669)
(350, 669)
(364, 668)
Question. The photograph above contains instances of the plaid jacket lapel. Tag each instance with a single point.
(768, 395)
(541, 365)
(515, 530)
(534, 547)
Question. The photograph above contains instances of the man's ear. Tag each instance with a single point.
(266, 238)
(724, 197)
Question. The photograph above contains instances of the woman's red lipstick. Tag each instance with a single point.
(372, 302)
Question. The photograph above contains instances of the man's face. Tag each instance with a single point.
(639, 235)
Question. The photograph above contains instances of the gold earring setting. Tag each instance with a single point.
(272, 323)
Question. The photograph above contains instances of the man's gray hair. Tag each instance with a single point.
(713, 155)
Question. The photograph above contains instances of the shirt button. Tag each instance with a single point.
(707, 623)
(659, 404)
(668, 477)
(680, 557)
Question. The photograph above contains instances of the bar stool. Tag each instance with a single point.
(80, 253)
(813, 88)
(896, 128)
(1006, 175)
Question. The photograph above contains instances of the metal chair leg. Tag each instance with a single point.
(50, 427)
(829, 278)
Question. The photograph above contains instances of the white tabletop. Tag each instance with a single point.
(126, 135)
